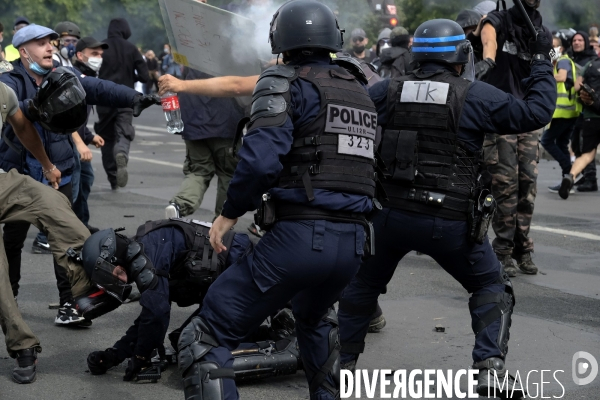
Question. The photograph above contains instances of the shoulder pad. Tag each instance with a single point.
(284, 71)
(268, 85)
(269, 106)
(353, 66)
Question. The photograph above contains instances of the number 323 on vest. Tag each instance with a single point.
(355, 129)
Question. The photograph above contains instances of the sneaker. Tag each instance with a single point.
(40, 247)
(525, 264)
(491, 381)
(68, 314)
(122, 175)
(556, 188)
(172, 210)
(507, 263)
(565, 186)
(86, 323)
(24, 372)
(588, 186)
(377, 321)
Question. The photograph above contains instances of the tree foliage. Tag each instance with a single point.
(147, 27)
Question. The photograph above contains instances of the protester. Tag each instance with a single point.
(556, 139)
(123, 64)
(88, 60)
(153, 72)
(168, 64)
(396, 60)
(359, 42)
(69, 34)
(383, 41)
(10, 52)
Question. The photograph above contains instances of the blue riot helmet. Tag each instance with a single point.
(300, 24)
(443, 41)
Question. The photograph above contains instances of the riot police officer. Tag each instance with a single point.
(172, 261)
(434, 122)
(308, 154)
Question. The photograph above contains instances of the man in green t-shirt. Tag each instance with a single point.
(590, 97)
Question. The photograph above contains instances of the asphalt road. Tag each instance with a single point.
(557, 312)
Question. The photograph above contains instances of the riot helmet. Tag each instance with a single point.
(67, 28)
(61, 102)
(302, 24)
(443, 41)
(103, 257)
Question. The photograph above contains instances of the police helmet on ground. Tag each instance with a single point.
(300, 24)
(103, 257)
(67, 28)
(441, 40)
(61, 102)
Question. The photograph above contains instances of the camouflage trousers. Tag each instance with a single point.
(512, 161)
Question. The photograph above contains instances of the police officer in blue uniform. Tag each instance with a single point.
(172, 261)
(308, 155)
(434, 122)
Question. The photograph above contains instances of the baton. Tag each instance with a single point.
(527, 19)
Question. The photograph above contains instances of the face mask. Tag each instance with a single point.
(166, 50)
(35, 67)
(67, 52)
(94, 63)
(557, 53)
(358, 48)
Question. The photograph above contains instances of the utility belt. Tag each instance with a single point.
(271, 212)
(428, 197)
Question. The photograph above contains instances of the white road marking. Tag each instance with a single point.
(565, 232)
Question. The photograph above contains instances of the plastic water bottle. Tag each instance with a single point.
(170, 105)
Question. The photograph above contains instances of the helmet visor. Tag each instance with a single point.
(469, 68)
(111, 278)
(64, 98)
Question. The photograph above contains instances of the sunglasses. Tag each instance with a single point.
(358, 39)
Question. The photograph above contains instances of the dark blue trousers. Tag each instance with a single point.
(556, 141)
(309, 262)
(397, 232)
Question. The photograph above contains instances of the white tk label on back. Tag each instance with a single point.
(425, 92)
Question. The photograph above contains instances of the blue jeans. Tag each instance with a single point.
(397, 232)
(556, 141)
(83, 179)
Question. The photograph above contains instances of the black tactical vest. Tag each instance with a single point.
(429, 170)
(334, 151)
(194, 272)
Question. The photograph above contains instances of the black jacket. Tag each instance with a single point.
(122, 59)
(581, 58)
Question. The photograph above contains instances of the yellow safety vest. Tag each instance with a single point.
(567, 105)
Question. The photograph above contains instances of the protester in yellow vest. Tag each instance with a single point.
(556, 139)
(10, 53)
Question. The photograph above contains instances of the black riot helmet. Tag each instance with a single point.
(61, 102)
(67, 28)
(103, 257)
(302, 24)
(441, 40)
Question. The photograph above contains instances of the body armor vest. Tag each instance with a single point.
(194, 272)
(429, 170)
(335, 151)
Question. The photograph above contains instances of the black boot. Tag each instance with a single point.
(487, 384)
(377, 321)
(24, 372)
(588, 186)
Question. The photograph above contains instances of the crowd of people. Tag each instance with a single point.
(445, 154)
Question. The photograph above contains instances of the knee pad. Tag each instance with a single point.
(505, 302)
(194, 342)
(331, 368)
(204, 381)
(366, 311)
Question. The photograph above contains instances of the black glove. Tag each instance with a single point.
(141, 102)
(483, 67)
(135, 365)
(542, 45)
(100, 361)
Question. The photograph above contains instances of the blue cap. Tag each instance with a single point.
(32, 32)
